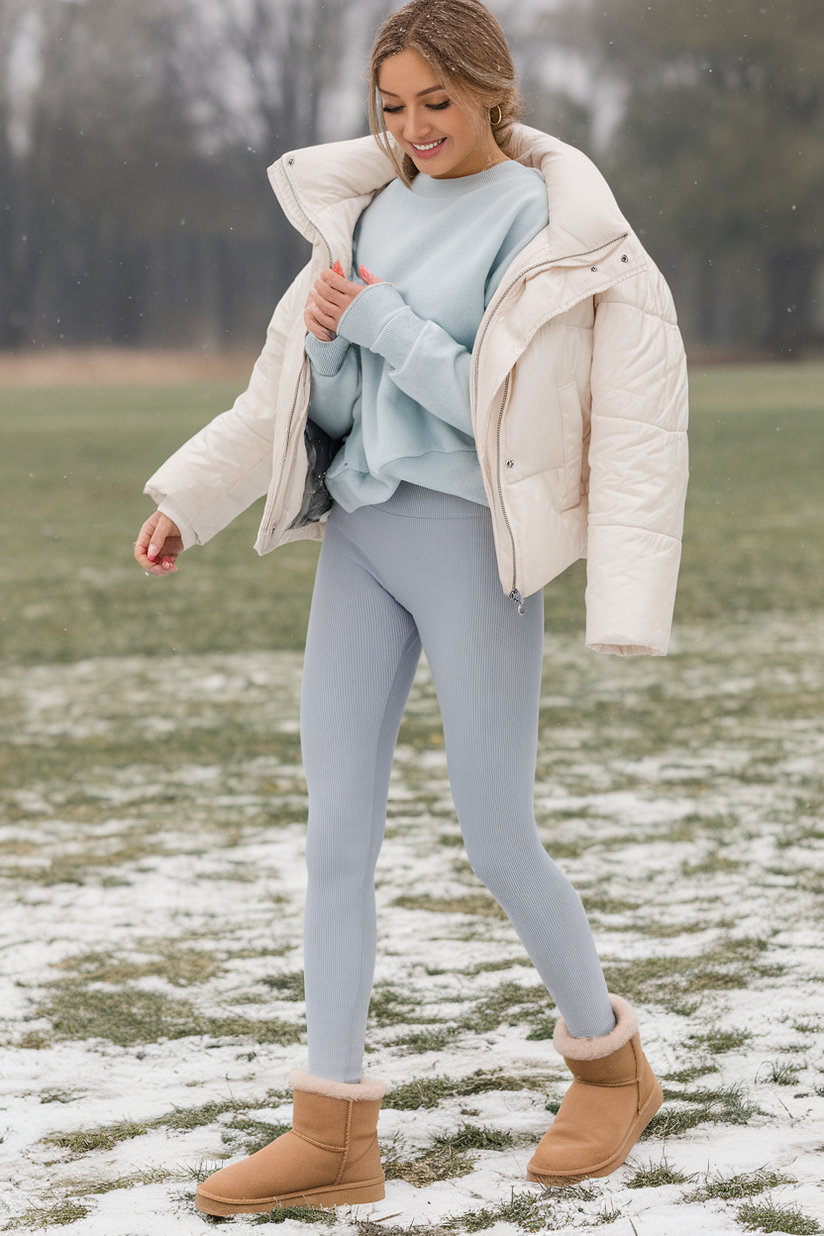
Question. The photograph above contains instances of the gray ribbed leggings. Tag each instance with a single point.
(417, 570)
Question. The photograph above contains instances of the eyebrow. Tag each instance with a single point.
(428, 90)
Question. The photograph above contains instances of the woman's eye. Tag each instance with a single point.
(391, 110)
(438, 107)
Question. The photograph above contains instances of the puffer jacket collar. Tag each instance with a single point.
(323, 190)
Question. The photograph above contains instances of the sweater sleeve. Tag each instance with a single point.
(425, 362)
(335, 385)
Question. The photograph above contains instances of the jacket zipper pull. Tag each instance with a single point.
(519, 600)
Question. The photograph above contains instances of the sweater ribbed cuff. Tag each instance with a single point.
(325, 358)
(379, 319)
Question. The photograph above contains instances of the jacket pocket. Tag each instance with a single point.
(572, 434)
(544, 429)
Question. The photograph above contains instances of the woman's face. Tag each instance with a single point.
(441, 139)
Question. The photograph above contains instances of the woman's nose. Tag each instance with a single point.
(417, 127)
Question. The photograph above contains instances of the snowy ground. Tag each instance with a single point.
(151, 856)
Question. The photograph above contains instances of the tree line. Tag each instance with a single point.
(134, 206)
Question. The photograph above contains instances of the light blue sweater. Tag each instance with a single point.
(401, 396)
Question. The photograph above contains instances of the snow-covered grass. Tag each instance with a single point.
(151, 855)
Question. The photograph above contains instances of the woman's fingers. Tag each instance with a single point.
(331, 294)
(158, 545)
(321, 325)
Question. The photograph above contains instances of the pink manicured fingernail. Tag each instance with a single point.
(153, 551)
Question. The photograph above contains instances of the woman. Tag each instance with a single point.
(504, 394)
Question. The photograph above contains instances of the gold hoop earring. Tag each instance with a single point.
(496, 123)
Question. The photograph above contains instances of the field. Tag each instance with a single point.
(151, 855)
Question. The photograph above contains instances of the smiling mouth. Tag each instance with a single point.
(429, 145)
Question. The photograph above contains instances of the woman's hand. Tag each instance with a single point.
(158, 544)
(332, 293)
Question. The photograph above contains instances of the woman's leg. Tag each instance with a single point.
(488, 683)
(486, 662)
(362, 649)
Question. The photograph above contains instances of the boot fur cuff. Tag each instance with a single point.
(596, 1048)
(368, 1088)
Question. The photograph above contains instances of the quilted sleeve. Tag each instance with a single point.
(228, 464)
(638, 467)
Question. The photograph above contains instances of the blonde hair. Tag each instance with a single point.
(468, 51)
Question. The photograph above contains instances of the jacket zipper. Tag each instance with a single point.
(309, 219)
(514, 593)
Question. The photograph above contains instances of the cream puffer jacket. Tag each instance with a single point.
(578, 396)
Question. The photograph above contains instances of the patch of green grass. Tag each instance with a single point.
(179, 966)
(106, 1137)
(507, 1005)
(299, 1214)
(59, 1096)
(726, 1105)
(529, 1212)
(653, 1175)
(719, 1041)
(667, 931)
(437, 1163)
(83, 1141)
(767, 1217)
(689, 1074)
(596, 904)
(154, 1175)
(426, 1040)
(472, 903)
(491, 967)
(59, 1214)
(729, 1188)
(388, 1006)
(33, 1040)
(128, 1016)
(607, 1214)
(714, 864)
(542, 1028)
(777, 1073)
(669, 980)
(476, 1137)
(448, 1156)
(287, 986)
(428, 1092)
(807, 1026)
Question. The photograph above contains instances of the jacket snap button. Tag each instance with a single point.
(624, 258)
(593, 269)
(290, 161)
(510, 463)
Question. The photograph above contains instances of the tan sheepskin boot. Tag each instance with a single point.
(612, 1099)
(329, 1158)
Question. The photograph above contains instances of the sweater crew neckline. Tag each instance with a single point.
(457, 186)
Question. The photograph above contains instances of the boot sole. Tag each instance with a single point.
(326, 1198)
(606, 1169)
